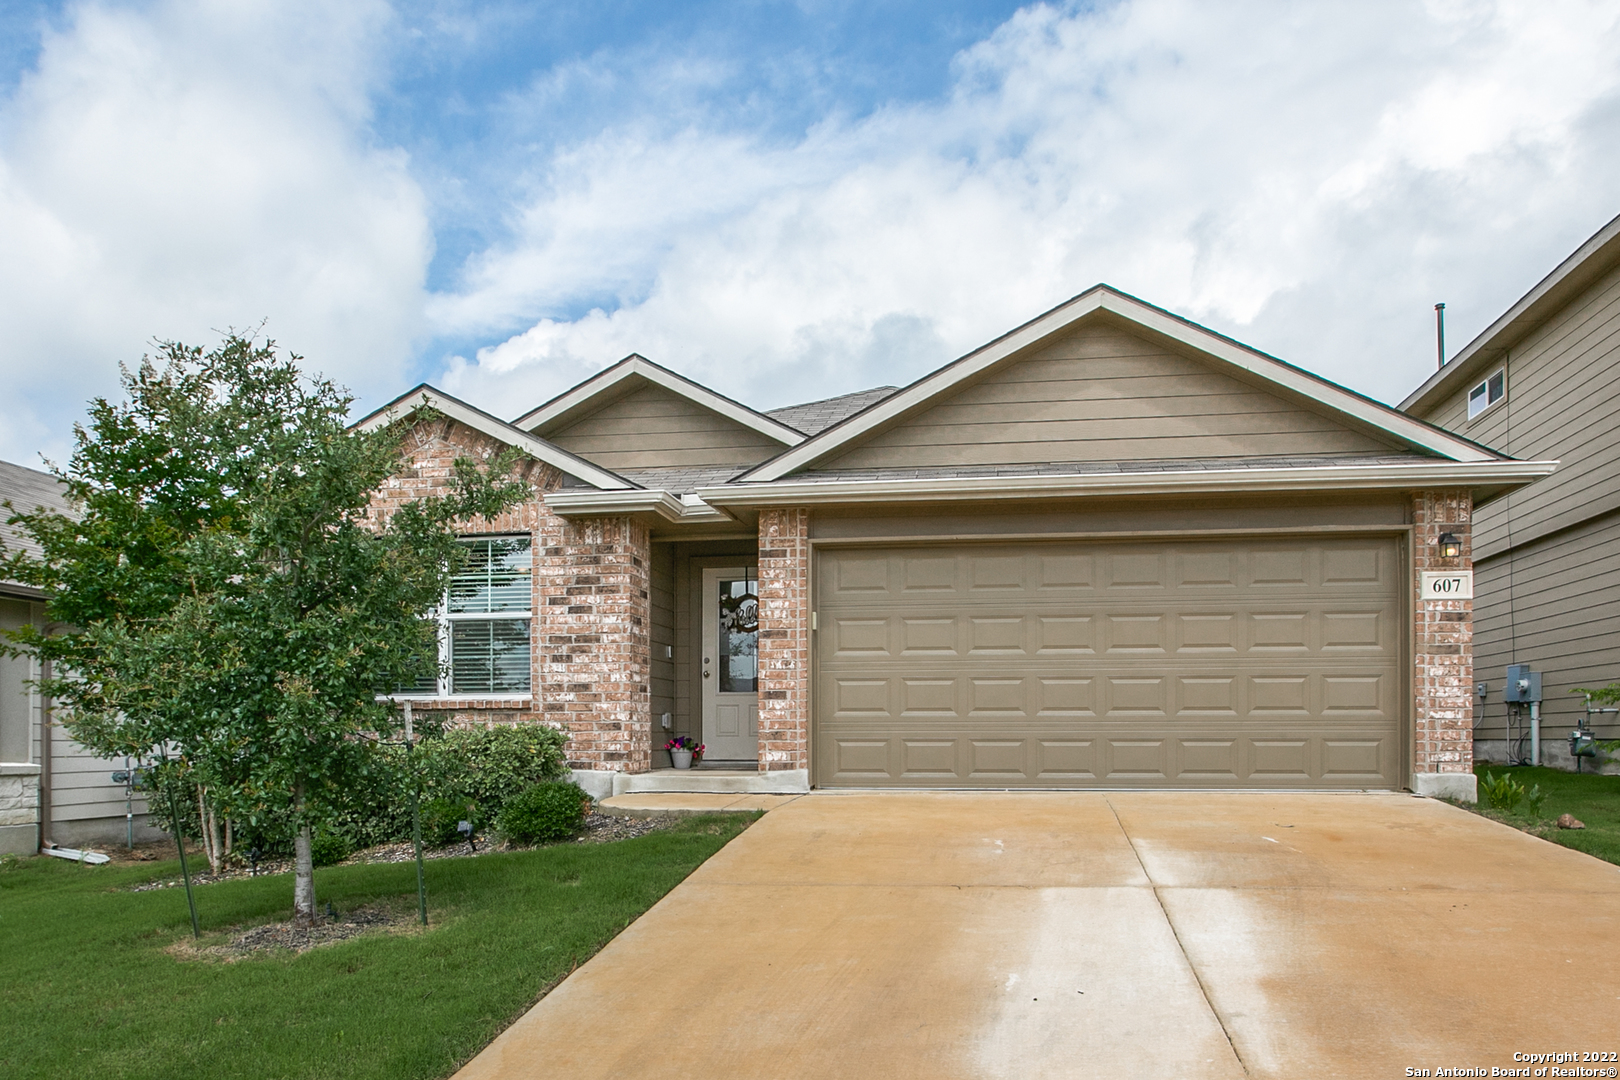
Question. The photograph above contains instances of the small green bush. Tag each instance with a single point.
(1534, 799)
(328, 847)
(441, 816)
(1501, 792)
(541, 812)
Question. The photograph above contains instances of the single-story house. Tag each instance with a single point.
(1110, 548)
(1543, 382)
(52, 790)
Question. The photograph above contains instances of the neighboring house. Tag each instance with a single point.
(1543, 381)
(1110, 548)
(51, 789)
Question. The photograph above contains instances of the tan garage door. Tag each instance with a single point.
(1221, 663)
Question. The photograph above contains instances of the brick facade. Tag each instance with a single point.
(588, 646)
(591, 577)
(784, 639)
(1442, 641)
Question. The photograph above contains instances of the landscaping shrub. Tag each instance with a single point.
(548, 811)
(1501, 792)
(328, 846)
(441, 816)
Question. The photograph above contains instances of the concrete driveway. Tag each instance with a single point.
(1109, 935)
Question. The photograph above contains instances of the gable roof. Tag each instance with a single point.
(1359, 410)
(481, 421)
(27, 490)
(636, 370)
(814, 417)
(1593, 259)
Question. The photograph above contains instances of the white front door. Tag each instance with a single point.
(730, 664)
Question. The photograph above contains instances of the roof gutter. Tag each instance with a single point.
(637, 503)
(1492, 476)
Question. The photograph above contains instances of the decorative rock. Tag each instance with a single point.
(1570, 821)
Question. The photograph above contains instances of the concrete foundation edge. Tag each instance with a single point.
(19, 839)
(600, 784)
(1462, 787)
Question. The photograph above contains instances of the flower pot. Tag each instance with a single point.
(681, 758)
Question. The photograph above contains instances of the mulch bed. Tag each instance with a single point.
(598, 829)
(286, 937)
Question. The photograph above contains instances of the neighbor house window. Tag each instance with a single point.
(1487, 393)
(484, 623)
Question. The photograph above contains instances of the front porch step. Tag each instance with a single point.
(714, 781)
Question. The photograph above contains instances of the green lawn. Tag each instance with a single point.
(1595, 800)
(87, 988)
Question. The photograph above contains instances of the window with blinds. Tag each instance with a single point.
(485, 623)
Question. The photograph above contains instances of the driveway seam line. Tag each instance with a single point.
(1175, 933)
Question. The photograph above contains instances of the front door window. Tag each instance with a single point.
(739, 635)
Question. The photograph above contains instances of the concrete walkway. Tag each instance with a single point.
(1154, 935)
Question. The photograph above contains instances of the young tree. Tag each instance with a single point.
(230, 597)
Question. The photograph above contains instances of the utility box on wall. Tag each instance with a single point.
(1522, 684)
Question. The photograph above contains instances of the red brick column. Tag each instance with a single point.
(784, 639)
(595, 658)
(1443, 652)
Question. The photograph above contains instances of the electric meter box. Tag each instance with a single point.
(1522, 684)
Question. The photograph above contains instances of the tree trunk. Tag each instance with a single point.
(303, 879)
(227, 839)
(205, 832)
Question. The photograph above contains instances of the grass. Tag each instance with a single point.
(1595, 800)
(89, 988)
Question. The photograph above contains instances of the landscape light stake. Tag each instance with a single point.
(416, 819)
(185, 871)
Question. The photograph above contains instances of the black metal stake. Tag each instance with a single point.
(185, 871)
(416, 818)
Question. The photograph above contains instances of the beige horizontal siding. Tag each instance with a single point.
(81, 783)
(653, 428)
(661, 596)
(1565, 622)
(1102, 394)
(1563, 403)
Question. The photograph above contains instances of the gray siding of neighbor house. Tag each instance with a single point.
(650, 428)
(1103, 394)
(1552, 605)
(1547, 558)
(1563, 403)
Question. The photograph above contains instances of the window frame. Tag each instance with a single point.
(444, 620)
(1485, 385)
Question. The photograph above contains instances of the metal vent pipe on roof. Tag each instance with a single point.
(1440, 332)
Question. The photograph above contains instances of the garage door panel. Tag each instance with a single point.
(1258, 663)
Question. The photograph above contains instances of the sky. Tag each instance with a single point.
(785, 201)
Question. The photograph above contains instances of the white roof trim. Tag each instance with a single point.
(1102, 298)
(481, 421)
(634, 366)
(670, 507)
(1494, 473)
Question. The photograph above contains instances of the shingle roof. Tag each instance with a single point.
(814, 417)
(1085, 468)
(681, 480)
(27, 490)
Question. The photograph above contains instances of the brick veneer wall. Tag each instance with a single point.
(594, 640)
(1442, 640)
(588, 646)
(784, 639)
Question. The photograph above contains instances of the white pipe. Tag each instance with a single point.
(92, 857)
(1535, 733)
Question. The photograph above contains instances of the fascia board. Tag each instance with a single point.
(1584, 265)
(1102, 298)
(671, 508)
(1190, 482)
(481, 421)
(605, 382)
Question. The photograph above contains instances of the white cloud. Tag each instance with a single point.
(1309, 178)
(197, 165)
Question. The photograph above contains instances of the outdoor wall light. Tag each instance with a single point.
(1450, 546)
